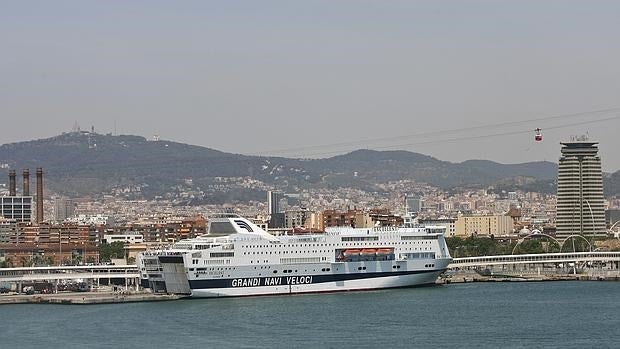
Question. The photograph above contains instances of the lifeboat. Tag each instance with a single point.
(368, 251)
(348, 253)
(384, 251)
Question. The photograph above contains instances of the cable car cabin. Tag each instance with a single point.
(538, 136)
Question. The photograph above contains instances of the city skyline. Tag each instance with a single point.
(353, 173)
(282, 76)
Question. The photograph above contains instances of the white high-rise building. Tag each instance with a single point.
(580, 207)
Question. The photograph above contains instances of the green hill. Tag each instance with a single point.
(82, 163)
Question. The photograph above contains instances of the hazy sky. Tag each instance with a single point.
(257, 76)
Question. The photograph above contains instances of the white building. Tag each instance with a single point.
(127, 238)
(580, 206)
(91, 219)
(18, 208)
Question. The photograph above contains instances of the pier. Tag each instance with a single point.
(539, 267)
(87, 298)
(57, 274)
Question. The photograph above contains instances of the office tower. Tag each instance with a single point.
(273, 201)
(580, 207)
(63, 209)
(413, 204)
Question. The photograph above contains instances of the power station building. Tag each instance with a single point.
(19, 207)
(580, 206)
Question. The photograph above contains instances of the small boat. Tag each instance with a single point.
(348, 253)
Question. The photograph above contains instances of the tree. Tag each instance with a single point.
(48, 260)
(36, 261)
(530, 246)
(76, 259)
(109, 251)
(26, 262)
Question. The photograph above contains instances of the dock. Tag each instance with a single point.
(465, 276)
(87, 298)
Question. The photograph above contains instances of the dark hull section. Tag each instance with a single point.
(296, 280)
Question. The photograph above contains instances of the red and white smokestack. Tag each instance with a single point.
(39, 195)
(26, 175)
(12, 185)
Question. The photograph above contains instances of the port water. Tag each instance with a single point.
(570, 314)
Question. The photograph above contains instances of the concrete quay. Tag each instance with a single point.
(472, 276)
(86, 298)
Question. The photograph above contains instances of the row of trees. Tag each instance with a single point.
(473, 246)
(43, 261)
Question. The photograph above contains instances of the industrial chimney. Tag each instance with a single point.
(39, 195)
(12, 190)
(26, 175)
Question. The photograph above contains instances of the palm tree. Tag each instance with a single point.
(36, 261)
(77, 259)
(48, 260)
(26, 262)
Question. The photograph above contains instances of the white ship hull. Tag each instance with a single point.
(336, 277)
(426, 278)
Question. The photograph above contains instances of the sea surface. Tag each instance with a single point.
(475, 315)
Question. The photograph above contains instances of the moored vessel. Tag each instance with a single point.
(238, 258)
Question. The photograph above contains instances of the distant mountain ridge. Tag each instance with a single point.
(83, 163)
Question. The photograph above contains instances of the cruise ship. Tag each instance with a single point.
(238, 258)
